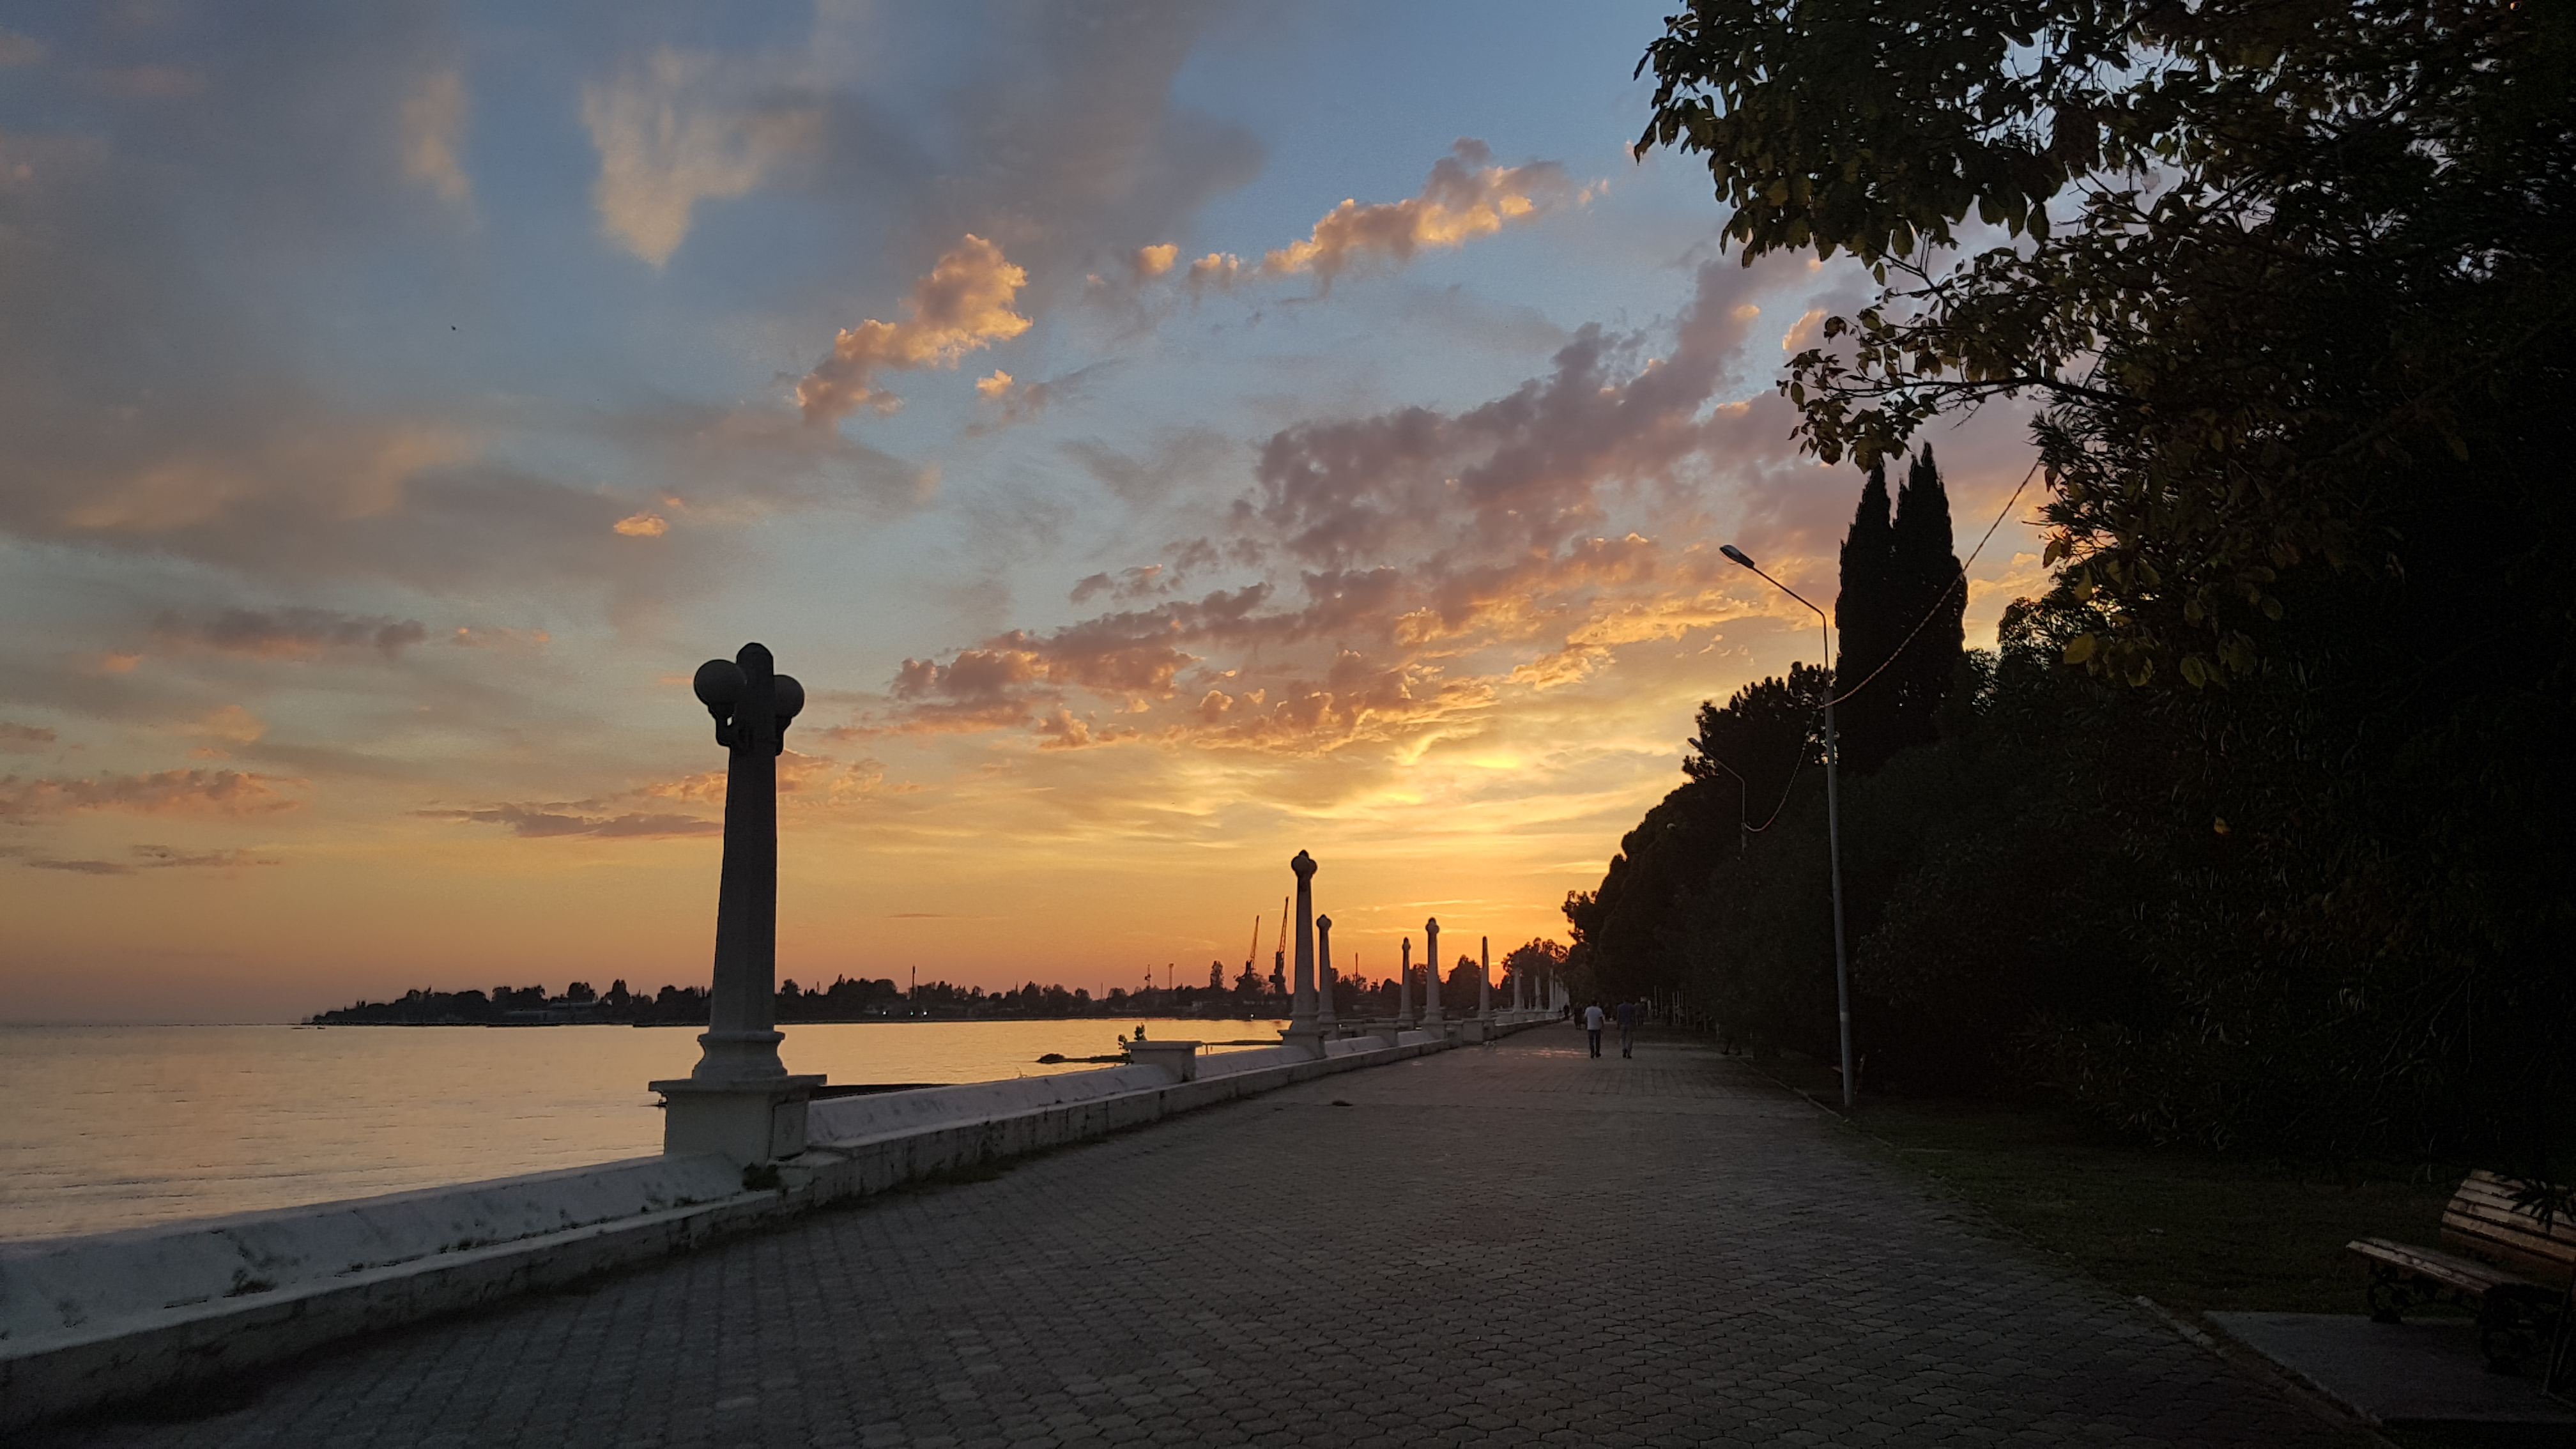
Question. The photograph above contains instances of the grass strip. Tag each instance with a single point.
(2196, 1232)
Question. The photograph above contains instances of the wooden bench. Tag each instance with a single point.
(2518, 1281)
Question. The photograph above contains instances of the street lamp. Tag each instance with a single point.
(1833, 829)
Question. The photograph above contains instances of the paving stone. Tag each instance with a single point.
(1513, 1245)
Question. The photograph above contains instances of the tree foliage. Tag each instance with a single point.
(1737, 777)
(2282, 860)
(1868, 626)
(1899, 617)
(2282, 273)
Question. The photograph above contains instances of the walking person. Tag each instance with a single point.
(1592, 1019)
(1628, 1028)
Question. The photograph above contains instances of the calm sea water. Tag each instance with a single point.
(118, 1127)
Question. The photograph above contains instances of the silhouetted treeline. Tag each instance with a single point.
(527, 1006)
(2254, 832)
(848, 999)
(2321, 910)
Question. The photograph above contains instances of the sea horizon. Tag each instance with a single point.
(129, 1125)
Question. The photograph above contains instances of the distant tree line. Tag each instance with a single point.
(526, 1005)
(849, 999)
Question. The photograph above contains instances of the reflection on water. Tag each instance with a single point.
(117, 1127)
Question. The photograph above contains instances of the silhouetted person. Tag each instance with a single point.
(1627, 1029)
(1592, 1019)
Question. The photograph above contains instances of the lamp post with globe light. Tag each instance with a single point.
(740, 1100)
(1833, 830)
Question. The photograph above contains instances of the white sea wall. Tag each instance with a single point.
(55, 1284)
(89, 1320)
(879, 1114)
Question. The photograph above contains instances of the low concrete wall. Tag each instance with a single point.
(840, 1119)
(89, 1320)
(66, 1284)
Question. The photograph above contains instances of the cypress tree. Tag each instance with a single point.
(1865, 616)
(1925, 573)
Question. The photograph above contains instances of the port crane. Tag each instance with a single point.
(1279, 957)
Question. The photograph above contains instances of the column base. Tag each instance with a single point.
(1306, 1037)
(742, 1122)
(1180, 1058)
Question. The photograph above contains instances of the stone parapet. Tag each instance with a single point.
(195, 1301)
(1177, 1059)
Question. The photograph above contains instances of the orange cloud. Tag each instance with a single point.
(642, 525)
(233, 724)
(547, 821)
(1018, 402)
(163, 857)
(1503, 578)
(169, 792)
(804, 781)
(154, 857)
(1141, 582)
(480, 636)
(813, 778)
(1464, 199)
(963, 306)
(339, 469)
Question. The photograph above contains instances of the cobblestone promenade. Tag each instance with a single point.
(1511, 1245)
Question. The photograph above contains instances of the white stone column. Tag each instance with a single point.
(1301, 1007)
(1325, 1017)
(1484, 978)
(740, 1101)
(1404, 989)
(1432, 1019)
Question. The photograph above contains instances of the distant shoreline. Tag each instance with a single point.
(817, 1021)
(845, 1001)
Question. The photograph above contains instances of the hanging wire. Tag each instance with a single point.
(1806, 745)
(1955, 584)
(1784, 792)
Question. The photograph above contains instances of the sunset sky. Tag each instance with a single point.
(1162, 437)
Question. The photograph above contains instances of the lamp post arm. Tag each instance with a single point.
(1784, 588)
(1833, 834)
